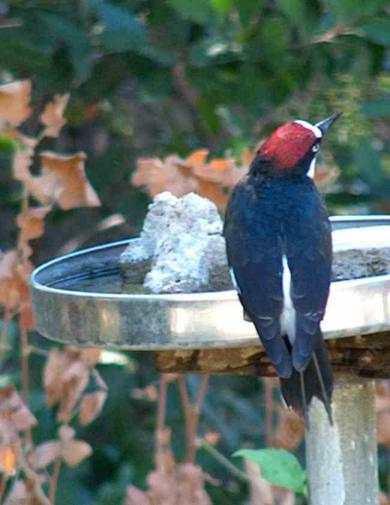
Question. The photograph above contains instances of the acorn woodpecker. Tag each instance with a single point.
(279, 248)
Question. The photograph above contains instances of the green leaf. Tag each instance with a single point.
(62, 31)
(7, 145)
(369, 165)
(122, 30)
(248, 10)
(300, 13)
(17, 50)
(278, 467)
(199, 11)
(377, 108)
(222, 6)
(349, 10)
(378, 31)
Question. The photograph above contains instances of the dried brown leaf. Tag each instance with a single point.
(148, 393)
(90, 355)
(214, 192)
(14, 287)
(212, 437)
(135, 496)
(182, 484)
(21, 165)
(65, 378)
(91, 406)
(287, 498)
(63, 181)
(75, 380)
(162, 488)
(9, 280)
(171, 377)
(14, 410)
(75, 451)
(15, 102)
(45, 454)
(22, 158)
(32, 225)
(156, 176)
(32, 222)
(290, 430)
(52, 376)
(8, 432)
(28, 491)
(53, 115)
(211, 180)
(66, 433)
(246, 158)
(9, 459)
(260, 489)
(383, 499)
(191, 481)
(196, 158)
(215, 171)
(71, 187)
(18, 494)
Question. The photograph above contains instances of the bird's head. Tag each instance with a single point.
(292, 148)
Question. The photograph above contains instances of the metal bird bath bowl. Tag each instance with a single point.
(79, 300)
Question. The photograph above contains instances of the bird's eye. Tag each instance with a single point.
(315, 148)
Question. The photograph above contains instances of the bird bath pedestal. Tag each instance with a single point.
(79, 300)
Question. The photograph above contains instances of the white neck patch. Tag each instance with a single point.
(317, 132)
(312, 169)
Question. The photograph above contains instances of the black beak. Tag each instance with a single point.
(327, 123)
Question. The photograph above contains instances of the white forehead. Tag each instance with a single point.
(317, 132)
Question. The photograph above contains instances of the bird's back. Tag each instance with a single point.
(277, 226)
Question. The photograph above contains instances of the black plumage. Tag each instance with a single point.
(274, 213)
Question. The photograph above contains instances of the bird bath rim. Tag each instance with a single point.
(339, 221)
(211, 319)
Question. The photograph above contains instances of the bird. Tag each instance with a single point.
(279, 251)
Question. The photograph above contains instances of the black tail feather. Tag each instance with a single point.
(316, 380)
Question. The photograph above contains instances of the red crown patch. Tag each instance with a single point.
(287, 145)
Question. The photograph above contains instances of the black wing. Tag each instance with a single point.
(254, 251)
(309, 254)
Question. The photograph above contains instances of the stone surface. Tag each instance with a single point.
(182, 249)
(183, 239)
(358, 263)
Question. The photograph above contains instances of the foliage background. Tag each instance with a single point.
(153, 77)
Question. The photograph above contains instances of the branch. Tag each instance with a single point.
(269, 409)
(333, 33)
(7, 318)
(54, 481)
(202, 392)
(223, 460)
(38, 493)
(192, 413)
(161, 412)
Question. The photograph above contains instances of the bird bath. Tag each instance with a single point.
(81, 299)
